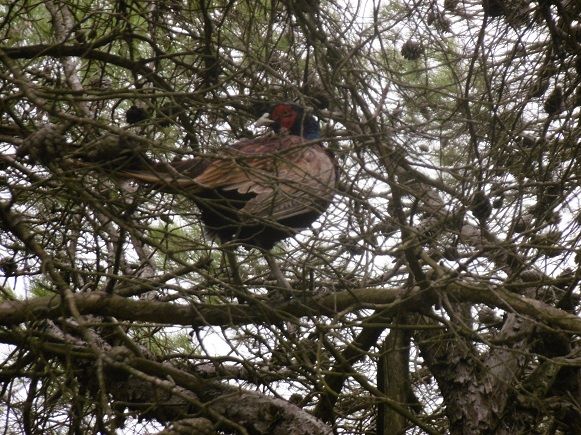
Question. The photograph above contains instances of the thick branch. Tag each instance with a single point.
(99, 303)
(393, 379)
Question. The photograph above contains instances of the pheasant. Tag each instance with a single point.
(259, 191)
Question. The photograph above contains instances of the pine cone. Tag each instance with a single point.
(439, 21)
(493, 8)
(8, 266)
(517, 12)
(451, 5)
(525, 141)
(498, 202)
(412, 50)
(554, 102)
(320, 99)
(481, 207)
(136, 114)
(451, 253)
(44, 145)
(522, 223)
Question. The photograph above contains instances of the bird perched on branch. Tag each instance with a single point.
(256, 191)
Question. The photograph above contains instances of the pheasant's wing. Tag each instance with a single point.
(288, 175)
(247, 165)
(303, 183)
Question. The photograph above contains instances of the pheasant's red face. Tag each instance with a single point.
(285, 115)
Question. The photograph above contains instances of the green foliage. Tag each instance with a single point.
(7, 294)
(177, 243)
(162, 343)
(40, 288)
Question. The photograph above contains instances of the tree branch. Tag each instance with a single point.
(99, 303)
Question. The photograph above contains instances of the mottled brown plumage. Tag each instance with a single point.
(257, 191)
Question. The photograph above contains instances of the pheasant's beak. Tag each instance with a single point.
(264, 120)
